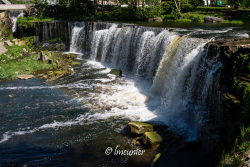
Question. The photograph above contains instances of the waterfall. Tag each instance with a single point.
(180, 74)
(76, 43)
(14, 15)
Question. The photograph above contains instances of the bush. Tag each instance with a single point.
(167, 7)
(186, 6)
(193, 17)
(130, 13)
(173, 16)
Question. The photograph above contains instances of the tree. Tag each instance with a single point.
(178, 5)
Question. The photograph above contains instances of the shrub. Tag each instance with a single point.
(167, 7)
(173, 16)
(193, 17)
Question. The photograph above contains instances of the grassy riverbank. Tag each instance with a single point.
(18, 61)
(24, 60)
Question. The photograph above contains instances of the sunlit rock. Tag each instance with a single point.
(25, 77)
(152, 138)
(212, 19)
(140, 127)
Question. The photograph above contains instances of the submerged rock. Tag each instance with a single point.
(116, 72)
(140, 127)
(212, 19)
(25, 77)
(156, 158)
(152, 138)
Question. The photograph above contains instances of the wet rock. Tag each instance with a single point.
(116, 72)
(137, 140)
(76, 63)
(157, 19)
(156, 158)
(140, 127)
(152, 138)
(25, 77)
(11, 96)
(54, 46)
(212, 19)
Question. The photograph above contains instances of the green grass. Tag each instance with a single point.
(198, 17)
(12, 53)
(13, 63)
(236, 22)
(33, 19)
(235, 158)
(22, 2)
(193, 17)
(219, 8)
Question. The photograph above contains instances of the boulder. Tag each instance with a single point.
(19, 42)
(2, 48)
(2, 15)
(212, 19)
(116, 72)
(140, 127)
(157, 19)
(152, 138)
(154, 161)
(25, 77)
(8, 43)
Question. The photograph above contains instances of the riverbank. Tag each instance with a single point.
(26, 56)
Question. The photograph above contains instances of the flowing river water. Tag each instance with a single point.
(168, 79)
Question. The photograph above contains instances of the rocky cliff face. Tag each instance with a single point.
(233, 106)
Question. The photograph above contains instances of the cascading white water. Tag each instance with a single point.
(77, 38)
(14, 15)
(175, 66)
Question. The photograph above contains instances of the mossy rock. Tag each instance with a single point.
(152, 138)
(116, 72)
(140, 127)
(76, 63)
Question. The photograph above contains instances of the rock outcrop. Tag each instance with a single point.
(25, 77)
(212, 19)
(140, 127)
(116, 72)
(232, 108)
(152, 139)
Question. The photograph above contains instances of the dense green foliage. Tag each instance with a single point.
(130, 13)
(65, 9)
